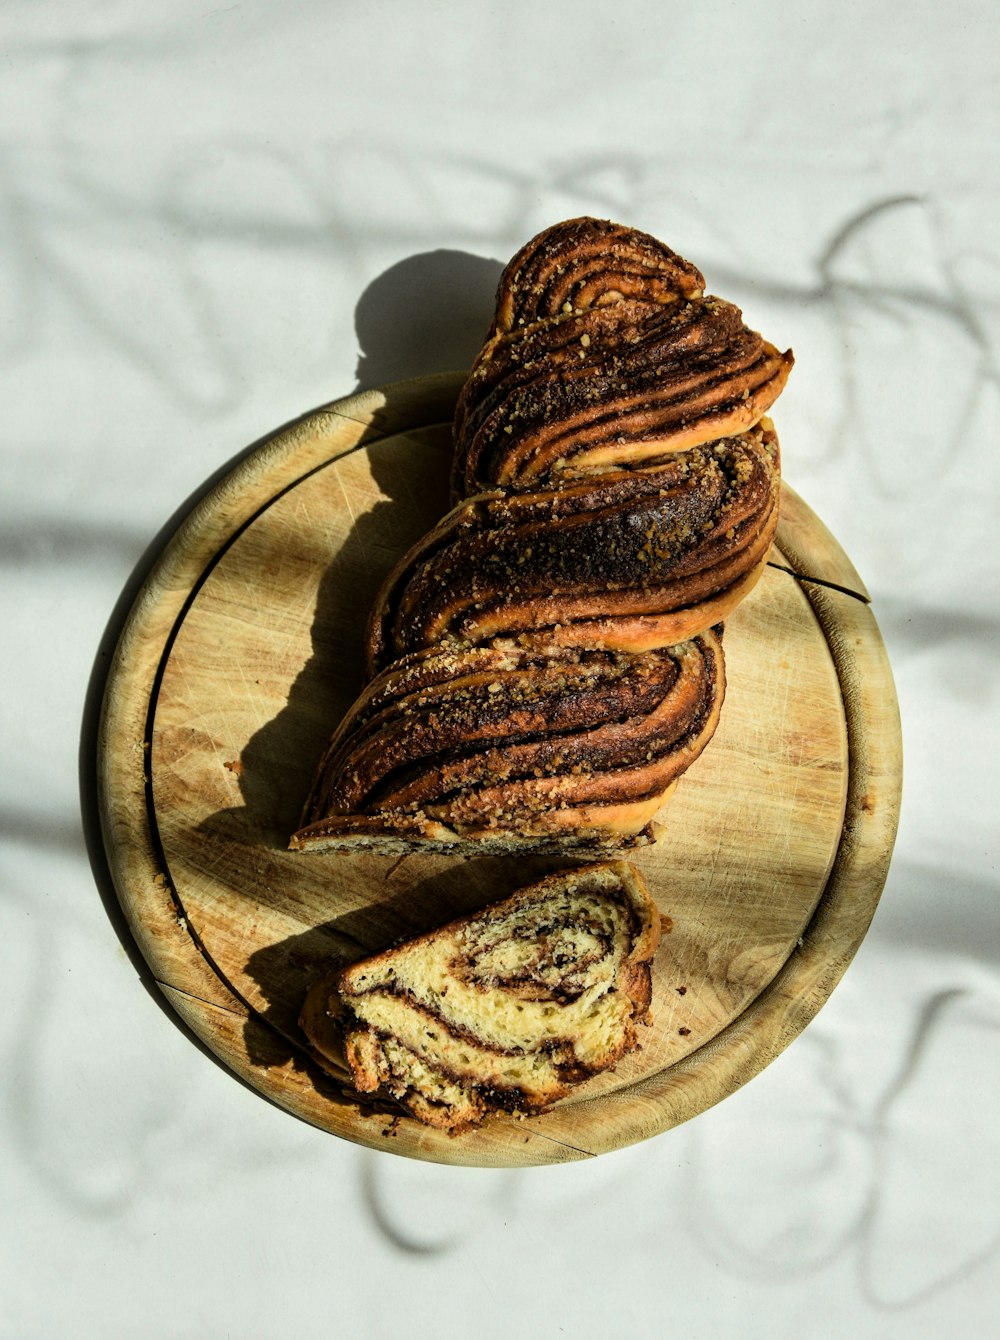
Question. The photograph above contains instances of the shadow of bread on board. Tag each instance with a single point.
(432, 306)
(277, 764)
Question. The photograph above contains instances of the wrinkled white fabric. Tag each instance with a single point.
(212, 220)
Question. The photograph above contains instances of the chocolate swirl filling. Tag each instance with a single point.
(626, 560)
(620, 373)
(506, 1009)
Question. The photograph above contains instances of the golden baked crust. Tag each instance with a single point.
(508, 1009)
(627, 560)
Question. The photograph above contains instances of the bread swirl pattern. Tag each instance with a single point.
(605, 351)
(629, 560)
(508, 1009)
(547, 660)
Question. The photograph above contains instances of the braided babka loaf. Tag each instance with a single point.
(505, 1010)
(546, 662)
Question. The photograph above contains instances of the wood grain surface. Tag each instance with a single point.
(244, 649)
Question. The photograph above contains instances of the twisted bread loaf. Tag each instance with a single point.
(547, 661)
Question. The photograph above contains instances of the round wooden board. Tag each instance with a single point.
(244, 649)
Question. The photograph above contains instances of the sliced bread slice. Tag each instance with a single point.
(505, 1010)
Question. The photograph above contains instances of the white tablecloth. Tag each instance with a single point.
(214, 219)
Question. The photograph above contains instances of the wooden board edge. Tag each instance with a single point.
(305, 1092)
(805, 982)
(276, 463)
